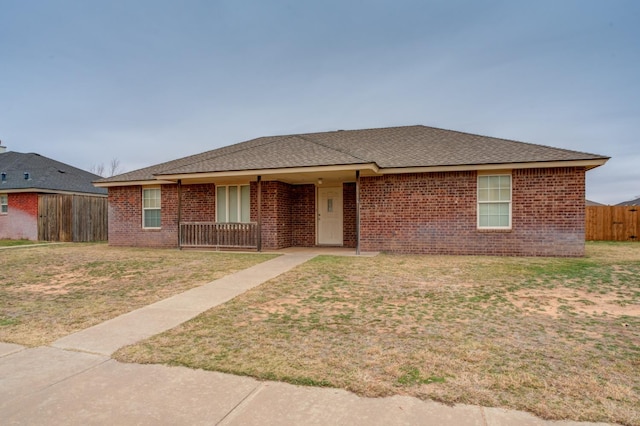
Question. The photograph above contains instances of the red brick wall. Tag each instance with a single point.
(21, 220)
(349, 235)
(199, 203)
(276, 215)
(303, 215)
(288, 214)
(549, 211)
(436, 213)
(125, 214)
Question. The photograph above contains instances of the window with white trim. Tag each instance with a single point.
(233, 203)
(4, 204)
(151, 208)
(494, 201)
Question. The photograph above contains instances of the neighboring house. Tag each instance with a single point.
(590, 203)
(411, 189)
(635, 202)
(24, 180)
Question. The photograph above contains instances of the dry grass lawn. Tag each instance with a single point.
(556, 337)
(13, 243)
(50, 291)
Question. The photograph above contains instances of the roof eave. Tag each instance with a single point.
(266, 172)
(588, 164)
(111, 184)
(49, 191)
(372, 168)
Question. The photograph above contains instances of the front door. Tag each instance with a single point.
(330, 216)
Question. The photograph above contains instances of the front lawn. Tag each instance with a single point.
(13, 243)
(51, 291)
(556, 337)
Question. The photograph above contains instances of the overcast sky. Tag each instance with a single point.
(146, 81)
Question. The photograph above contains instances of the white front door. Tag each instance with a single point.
(330, 216)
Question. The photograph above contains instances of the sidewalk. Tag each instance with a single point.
(106, 338)
(75, 382)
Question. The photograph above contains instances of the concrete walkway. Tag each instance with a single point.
(106, 338)
(75, 382)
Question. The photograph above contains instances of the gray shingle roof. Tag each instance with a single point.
(635, 202)
(392, 147)
(44, 174)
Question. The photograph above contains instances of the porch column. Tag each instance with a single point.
(259, 201)
(357, 212)
(180, 214)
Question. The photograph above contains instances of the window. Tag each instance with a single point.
(494, 201)
(151, 207)
(4, 204)
(233, 203)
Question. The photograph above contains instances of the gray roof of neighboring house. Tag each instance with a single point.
(391, 147)
(635, 202)
(44, 174)
(593, 203)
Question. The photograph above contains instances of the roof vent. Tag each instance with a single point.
(2, 148)
(27, 176)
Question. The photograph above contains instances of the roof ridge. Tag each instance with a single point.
(510, 140)
(305, 137)
(235, 151)
(348, 130)
(46, 161)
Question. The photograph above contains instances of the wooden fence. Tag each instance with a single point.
(72, 218)
(212, 234)
(612, 223)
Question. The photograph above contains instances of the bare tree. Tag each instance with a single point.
(101, 170)
(114, 167)
(97, 169)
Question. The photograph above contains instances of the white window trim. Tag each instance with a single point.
(510, 202)
(239, 202)
(5, 198)
(144, 209)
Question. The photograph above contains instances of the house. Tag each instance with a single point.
(590, 203)
(635, 202)
(31, 185)
(412, 189)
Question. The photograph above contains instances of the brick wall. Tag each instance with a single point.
(349, 235)
(288, 214)
(199, 203)
(303, 215)
(549, 211)
(436, 213)
(125, 214)
(21, 220)
(276, 215)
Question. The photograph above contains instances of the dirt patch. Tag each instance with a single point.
(553, 302)
(47, 292)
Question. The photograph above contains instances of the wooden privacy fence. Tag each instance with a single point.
(213, 234)
(72, 218)
(612, 223)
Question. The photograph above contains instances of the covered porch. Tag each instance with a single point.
(310, 207)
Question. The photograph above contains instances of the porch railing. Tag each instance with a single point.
(219, 235)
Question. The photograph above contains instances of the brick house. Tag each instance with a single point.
(411, 189)
(25, 179)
